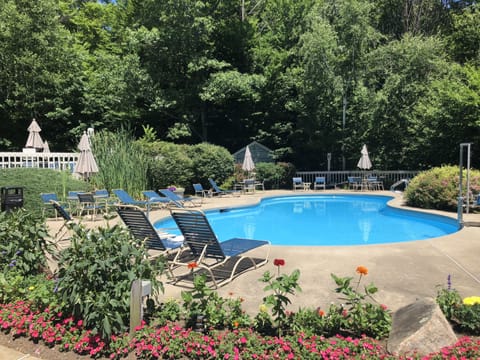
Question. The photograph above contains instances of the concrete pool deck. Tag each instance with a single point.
(403, 272)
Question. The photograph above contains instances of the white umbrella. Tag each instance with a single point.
(364, 163)
(34, 139)
(248, 164)
(46, 148)
(86, 164)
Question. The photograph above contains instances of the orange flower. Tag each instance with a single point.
(235, 324)
(321, 313)
(192, 265)
(362, 270)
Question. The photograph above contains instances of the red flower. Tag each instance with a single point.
(192, 265)
(279, 262)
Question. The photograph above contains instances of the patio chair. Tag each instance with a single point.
(178, 200)
(126, 199)
(103, 196)
(260, 185)
(374, 183)
(167, 245)
(200, 191)
(46, 197)
(155, 199)
(297, 183)
(249, 186)
(88, 204)
(67, 224)
(319, 183)
(216, 190)
(354, 182)
(221, 261)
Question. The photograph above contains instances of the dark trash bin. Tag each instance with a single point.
(11, 197)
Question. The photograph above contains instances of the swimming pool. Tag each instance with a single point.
(316, 220)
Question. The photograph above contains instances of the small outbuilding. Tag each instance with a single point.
(260, 153)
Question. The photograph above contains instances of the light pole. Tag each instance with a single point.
(460, 185)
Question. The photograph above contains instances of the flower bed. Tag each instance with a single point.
(172, 341)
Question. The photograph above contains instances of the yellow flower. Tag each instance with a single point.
(471, 300)
(31, 288)
(263, 308)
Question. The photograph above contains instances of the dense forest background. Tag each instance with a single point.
(303, 77)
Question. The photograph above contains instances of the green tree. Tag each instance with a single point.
(399, 75)
(464, 39)
(333, 51)
(447, 115)
(38, 70)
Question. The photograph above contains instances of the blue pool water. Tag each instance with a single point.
(325, 220)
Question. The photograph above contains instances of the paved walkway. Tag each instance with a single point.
(403, 272)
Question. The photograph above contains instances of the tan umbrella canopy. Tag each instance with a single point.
(248, 164)
(34, 139)
(364, 163)
(46, 148)
(86, 164)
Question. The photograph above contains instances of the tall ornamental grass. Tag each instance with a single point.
(121, 161)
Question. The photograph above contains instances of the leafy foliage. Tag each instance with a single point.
(304, 77)
(214, 312)
(438, 188)
(465, 317)
(361, 315)
(24, 240)
(95, 276)
(280, 287)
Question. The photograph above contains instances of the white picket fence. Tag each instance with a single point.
(54, 160)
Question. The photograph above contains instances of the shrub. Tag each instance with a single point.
(437, 188)
(95, 276)
(210, 161)
(273, 174)
(36, 181)
(23, 242)
(170, 164)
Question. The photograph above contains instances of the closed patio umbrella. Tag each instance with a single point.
(86, 164)
(46, 148)
(34, 139)
(364, 163)
(248, 164)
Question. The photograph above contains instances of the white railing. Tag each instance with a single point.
(341, 177)
(54, 160)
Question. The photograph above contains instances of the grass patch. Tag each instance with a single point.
(36, 181)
